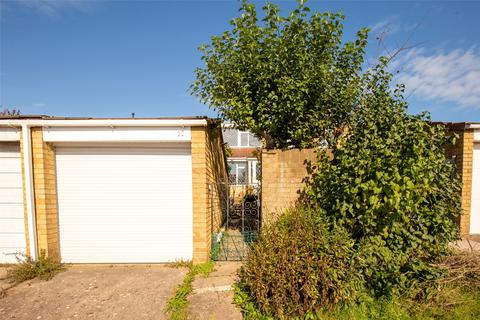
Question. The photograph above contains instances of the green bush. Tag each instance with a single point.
(300, 265)
(43, 268)
(391, 187)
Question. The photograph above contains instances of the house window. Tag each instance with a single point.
(244, 172)
(240, 139)
(244, 139)
(238, 172)
(230, 136)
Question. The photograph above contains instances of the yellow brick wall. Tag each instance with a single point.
(462, 151)
(283, 175)
(45, 190)
(208, 169)
(217, 176)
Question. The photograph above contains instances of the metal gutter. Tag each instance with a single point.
(29, 191)
(472, 126)
(103, 122)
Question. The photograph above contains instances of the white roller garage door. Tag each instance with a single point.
(475, 205)
(124, 205)
(12, 226)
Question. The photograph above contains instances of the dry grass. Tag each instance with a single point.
(462, 269)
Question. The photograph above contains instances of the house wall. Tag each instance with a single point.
(462, 151)
(217, 176)
(283, 178)
(283, 174)
(209, 171)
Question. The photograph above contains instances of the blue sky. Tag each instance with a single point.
(111, 58)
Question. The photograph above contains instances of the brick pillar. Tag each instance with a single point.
(45, 189)
(467, 163)
(201, 217)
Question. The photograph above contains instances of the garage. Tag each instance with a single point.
(125, 204)
(110, 190)
(12, 226)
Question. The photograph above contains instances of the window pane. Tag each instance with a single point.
(232, 172)
(230, 137)
(241, 174)
(254, 142)
(244, 139)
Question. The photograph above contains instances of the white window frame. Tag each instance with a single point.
(239, 139)
(244, 163)
(250, 169)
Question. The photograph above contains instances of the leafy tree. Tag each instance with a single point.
(289, 80)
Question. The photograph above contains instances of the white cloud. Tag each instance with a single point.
(388, 25)
(446, 76)
(53, 7)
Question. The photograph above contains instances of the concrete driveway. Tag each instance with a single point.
(95, 292)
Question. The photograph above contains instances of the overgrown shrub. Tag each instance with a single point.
(43, 268)
(300, 265)
(391, 187)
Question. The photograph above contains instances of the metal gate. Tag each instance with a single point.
(236, 220)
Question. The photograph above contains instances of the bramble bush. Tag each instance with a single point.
(300, 265)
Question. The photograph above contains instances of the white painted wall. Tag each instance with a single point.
(476, 135)
(12, 226)
(9, 134)
(125, 204)
(475, 205)
(116, 134)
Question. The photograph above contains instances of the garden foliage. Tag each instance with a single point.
(379, 213)
(391, 187)
(300, 265)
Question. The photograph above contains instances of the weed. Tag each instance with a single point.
(180, 264)
(27, 268)
(177, 305)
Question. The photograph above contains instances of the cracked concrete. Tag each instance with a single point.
(212, 297)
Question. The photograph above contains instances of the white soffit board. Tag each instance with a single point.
(475, 203)
(9, 134)
(476, 135)
(125, 204)
(12, 226)
(116, 134)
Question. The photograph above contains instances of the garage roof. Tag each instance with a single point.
(44, 120)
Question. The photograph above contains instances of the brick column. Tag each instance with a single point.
(467, 163)
(45, 189)
(201, 217)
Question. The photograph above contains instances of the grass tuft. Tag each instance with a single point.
(43, 268)
(177, 305)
